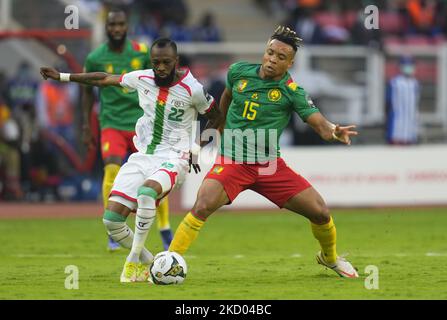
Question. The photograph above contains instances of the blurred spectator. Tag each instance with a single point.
(44, 170)
(147, 26)
(9, 155)
(274, 8)
(207, 30)
(175, 11)
(4, 95)
(29, 134)
(441, 16)
(403, 94)
(22, 88)
(176, 31)
(55, 108)
(422, 14)
(174, 14)
(302, 21)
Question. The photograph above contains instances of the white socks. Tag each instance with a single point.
(143, 222)
(121, 233)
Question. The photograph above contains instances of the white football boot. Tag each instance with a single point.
(341, 266)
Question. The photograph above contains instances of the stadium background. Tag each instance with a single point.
(342, 65)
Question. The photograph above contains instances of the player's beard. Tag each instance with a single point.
(116, 43)
(164, 82)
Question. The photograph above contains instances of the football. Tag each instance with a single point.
(168, 268)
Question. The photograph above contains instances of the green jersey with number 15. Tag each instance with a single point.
(259, 112)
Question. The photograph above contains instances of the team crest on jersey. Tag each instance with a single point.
(218, 169)
(242, 84)
(136, 64)
(254, 96)
(274, 95)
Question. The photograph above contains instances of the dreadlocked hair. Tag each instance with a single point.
(287, 35)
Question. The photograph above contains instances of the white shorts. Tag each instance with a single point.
(169, 172)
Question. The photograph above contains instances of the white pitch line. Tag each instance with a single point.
(401, 255)
(239, 256)
(296, 255)
(436, 254)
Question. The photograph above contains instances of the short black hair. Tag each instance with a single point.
(164, 42)
(116, 11)
(287, 35)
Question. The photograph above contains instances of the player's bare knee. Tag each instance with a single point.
(203, 208)
(118, 208)
(154, 185)
(321, 214)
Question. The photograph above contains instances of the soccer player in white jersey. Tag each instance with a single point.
(170, 98)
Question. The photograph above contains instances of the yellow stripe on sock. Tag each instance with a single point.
(163, 215)
(186, 233)
(326, 234)
(110, 173)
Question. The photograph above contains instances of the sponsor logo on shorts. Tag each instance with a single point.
(167, 165)
(218, 169)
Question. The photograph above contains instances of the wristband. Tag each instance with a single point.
(64, 77)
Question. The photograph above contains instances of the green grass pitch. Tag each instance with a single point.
(237, 256)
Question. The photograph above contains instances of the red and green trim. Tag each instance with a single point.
(159, 119)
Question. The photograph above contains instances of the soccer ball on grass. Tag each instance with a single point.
(168, 268)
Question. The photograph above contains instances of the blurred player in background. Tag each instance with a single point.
(170, 98)
(257, 97)
(119, 109)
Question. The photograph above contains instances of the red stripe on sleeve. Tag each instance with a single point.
(184, 85)
(211, 106)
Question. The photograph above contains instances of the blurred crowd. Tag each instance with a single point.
(152, 19)
(40, 151)
(38, 140)
(342, 22)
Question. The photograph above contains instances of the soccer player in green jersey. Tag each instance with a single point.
(119, 109)
(258, 102)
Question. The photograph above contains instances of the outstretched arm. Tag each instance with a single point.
(99, 79)
(329, 131)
